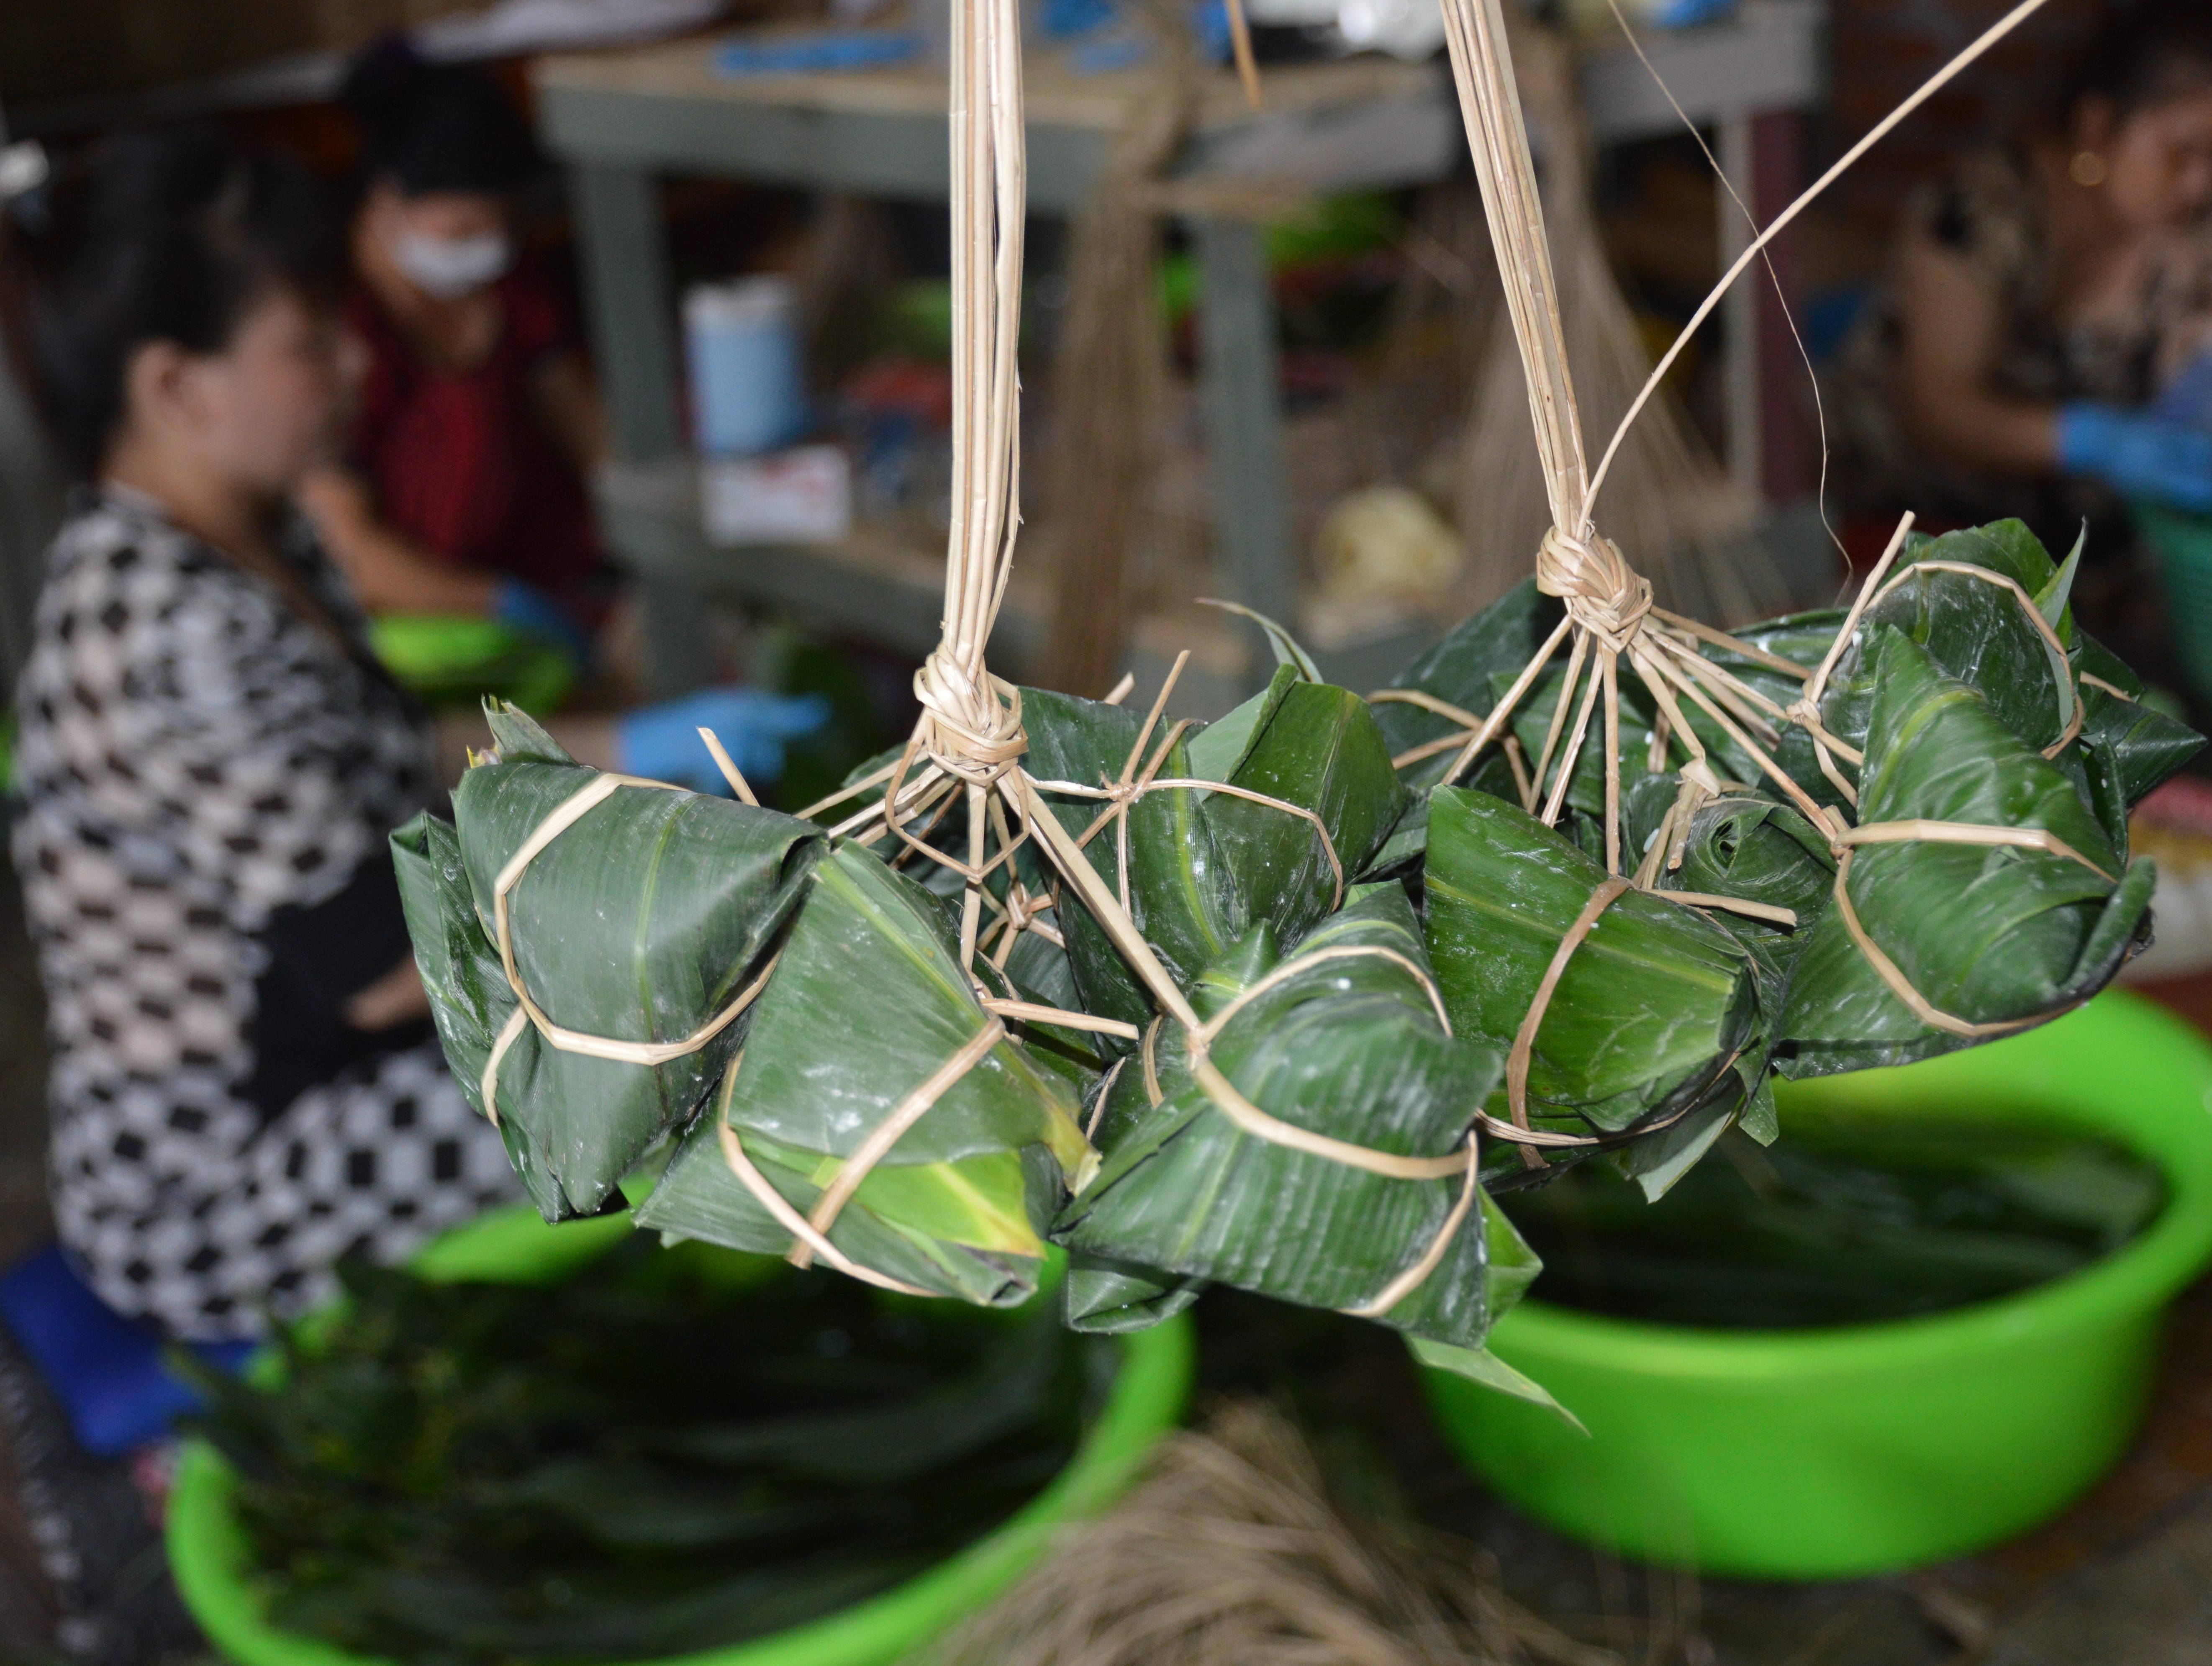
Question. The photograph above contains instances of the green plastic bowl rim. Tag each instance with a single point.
(207, 1551)
(2141, 1276)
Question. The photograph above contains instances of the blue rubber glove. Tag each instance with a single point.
(2144, 456)
(528, 610)
(2188, 397)
(662, 743)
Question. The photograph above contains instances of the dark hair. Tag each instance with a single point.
(159, 234)
(435, 126)
(2151, 52)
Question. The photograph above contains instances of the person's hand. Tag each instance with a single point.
(528, 610)
(662, 743)
(2142, 455)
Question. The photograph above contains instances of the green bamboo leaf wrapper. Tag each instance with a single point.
(1986, 935)
(1204, 866)
(1106, 1298)
(1322, 750)
(1655, 1007)
(470, 1000)
(867, 1002)
(639, 923)
(1180, 897)
(1760, 851)
(1971, 630)
(1463, 670)
(1348, 1047)
(2146, 746)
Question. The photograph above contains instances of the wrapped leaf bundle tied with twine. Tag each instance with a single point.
(1273, 1001)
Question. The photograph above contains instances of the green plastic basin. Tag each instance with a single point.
(449, 660)
(1820, 1454)
(213, 1564)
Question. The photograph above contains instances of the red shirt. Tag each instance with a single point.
(462, 464)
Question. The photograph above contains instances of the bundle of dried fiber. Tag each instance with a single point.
(1233, 1553)
(1670, 503)
(1110, 378)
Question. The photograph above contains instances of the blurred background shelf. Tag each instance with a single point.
(881, 587)
(620, 120)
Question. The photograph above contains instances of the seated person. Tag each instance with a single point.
(461, 490)
(244, 1085)
(2042, 299)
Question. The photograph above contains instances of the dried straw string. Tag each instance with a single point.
(1673, 504)
(1757, 250)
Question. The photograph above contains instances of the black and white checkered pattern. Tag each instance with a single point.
(194, 756)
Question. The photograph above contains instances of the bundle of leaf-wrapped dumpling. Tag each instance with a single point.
(1310, 1139)
(1954, 747)
(880, 1110)
(636, 918)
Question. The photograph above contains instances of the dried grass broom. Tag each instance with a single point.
(1110, 379)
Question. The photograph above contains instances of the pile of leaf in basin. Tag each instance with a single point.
(1403, 975)
(650, 1459)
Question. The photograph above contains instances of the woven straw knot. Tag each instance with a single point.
(1604, 595)
(973, 722)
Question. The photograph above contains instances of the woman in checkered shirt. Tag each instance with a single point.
(245, 1083)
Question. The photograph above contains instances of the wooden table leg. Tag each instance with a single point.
(1242, 390)
(631, 313)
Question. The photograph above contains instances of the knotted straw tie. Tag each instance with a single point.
(1602, 594)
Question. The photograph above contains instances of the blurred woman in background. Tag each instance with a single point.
(245, 1084)
(462, 486)
(2032, 356)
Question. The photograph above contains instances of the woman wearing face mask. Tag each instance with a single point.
(244, 1085)
(462, 490)
(2032, 356)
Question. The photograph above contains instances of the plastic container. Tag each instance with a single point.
(748, 394)
(457, 658)
(1823, 1454)
(212, 1562)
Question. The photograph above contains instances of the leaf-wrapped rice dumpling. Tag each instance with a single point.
(1973, 629)
(1342, 1040)
(1990, 937)
(1656, 1012)
(641, 922)
(1203, 865)
(870, 1055)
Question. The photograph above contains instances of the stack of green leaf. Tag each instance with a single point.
(666, 1453)
(1378, 966)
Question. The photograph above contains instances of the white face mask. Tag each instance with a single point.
(451, 267)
